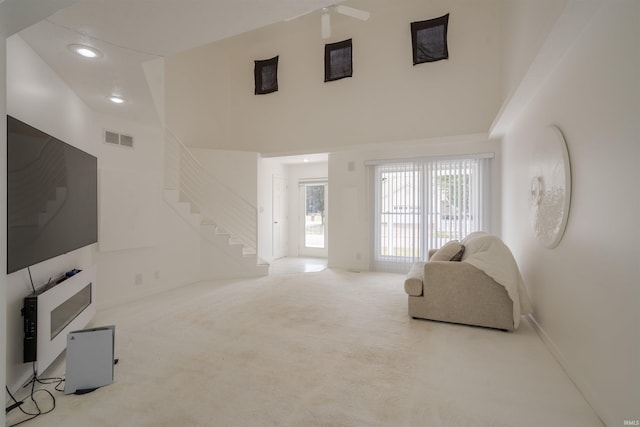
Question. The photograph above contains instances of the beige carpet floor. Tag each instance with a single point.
(331, 348)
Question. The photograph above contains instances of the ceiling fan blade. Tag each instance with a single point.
(352, 12)
(325, 21)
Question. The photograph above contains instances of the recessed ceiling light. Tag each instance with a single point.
(116, 99)
(306, 160)
(85, 51)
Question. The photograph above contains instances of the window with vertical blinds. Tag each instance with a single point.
(422, 204)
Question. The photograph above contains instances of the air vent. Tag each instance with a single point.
(126, 140)
(111, 137)
(115, 138)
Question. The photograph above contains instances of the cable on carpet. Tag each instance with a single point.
(32, 383)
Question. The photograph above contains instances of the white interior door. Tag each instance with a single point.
(314, 219)
(279, 217)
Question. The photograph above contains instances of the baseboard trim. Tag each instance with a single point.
(581, 385)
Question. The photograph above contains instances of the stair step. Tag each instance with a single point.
(207, 221)
(235, 241)
(249, 251)
(211, 234)
(222, 230)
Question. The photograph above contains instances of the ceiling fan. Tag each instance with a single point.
(325, 19)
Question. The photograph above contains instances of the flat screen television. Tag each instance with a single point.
(52, 196)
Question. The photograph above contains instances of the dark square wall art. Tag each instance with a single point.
(338, 60)
(265, 74)
(429, 40)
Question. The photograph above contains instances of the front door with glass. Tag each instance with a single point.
(313, 197)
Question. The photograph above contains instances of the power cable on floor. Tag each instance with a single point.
(32, 383)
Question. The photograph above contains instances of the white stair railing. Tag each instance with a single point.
(209, 197)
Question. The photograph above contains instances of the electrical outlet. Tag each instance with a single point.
(139, 279)
(156, 274)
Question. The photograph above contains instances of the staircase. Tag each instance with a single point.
(220, 216)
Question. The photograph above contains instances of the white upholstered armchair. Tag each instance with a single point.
(483, 288)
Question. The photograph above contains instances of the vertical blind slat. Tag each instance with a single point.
(422, 205)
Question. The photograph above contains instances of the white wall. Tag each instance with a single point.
(350, 198)
(238, 170)
(210, 100)
(586, 291)
(130, 185)
(167, 253)
(527, 23)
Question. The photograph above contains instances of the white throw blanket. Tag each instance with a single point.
(489, 254)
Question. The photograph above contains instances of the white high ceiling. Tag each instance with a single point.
(132, 32)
